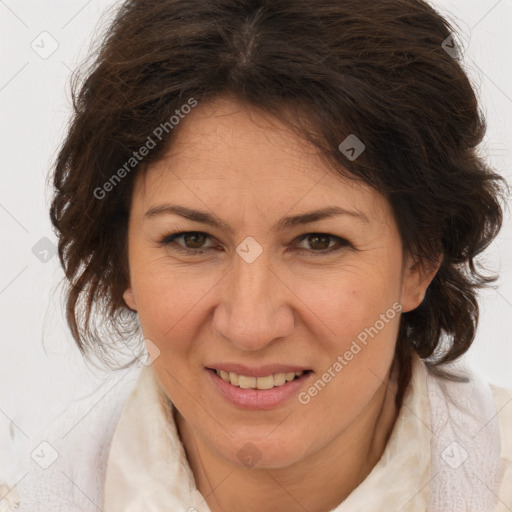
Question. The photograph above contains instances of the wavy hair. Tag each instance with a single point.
(388, 71)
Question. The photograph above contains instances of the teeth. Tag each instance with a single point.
(247, 382)
(279, 379)
(267, 382)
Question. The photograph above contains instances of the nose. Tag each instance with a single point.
(254, 305)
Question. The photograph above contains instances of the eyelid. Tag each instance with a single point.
(169, 239)
(342, 242)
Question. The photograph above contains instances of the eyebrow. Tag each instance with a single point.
(284, 223)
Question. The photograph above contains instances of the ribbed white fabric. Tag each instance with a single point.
(466, 465)
(420, 469)
(81, 438)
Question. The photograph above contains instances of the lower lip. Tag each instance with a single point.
(258, 398)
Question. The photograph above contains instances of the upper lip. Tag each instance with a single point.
(260, 371)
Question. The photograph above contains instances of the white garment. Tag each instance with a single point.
(81, 439)
(148, 471)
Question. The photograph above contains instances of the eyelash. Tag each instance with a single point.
(170, 238)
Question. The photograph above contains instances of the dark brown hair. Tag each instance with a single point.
(387, 71)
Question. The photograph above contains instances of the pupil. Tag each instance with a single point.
(315, 238)
(321, 240)
(194, 236)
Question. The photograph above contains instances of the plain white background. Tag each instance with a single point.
(41, 370)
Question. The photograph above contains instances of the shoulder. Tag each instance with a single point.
(472, 425)
(62, 468)
(460, 387)
(503, 400)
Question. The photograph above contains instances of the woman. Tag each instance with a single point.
(284, 199)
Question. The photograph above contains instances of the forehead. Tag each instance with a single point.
(223, 137)
(231, 150)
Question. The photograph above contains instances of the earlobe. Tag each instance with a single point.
(417, 279)
(129, 298)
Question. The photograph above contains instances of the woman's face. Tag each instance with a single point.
(264, 296)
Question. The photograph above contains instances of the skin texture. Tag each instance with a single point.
(292, 305)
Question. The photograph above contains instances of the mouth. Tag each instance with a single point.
(274, 380)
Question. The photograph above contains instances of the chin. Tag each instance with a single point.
(264, 453)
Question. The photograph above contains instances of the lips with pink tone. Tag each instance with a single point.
(257, 398)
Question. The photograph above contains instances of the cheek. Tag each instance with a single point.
(155, 294)
(169, 301)
(358, 325)
(348, 304)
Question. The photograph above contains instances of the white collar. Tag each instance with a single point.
(147, 468)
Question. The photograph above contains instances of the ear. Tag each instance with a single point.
(417, 277)
(129, 298)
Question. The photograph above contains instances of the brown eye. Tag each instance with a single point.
(194, 240)
(319, 243)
